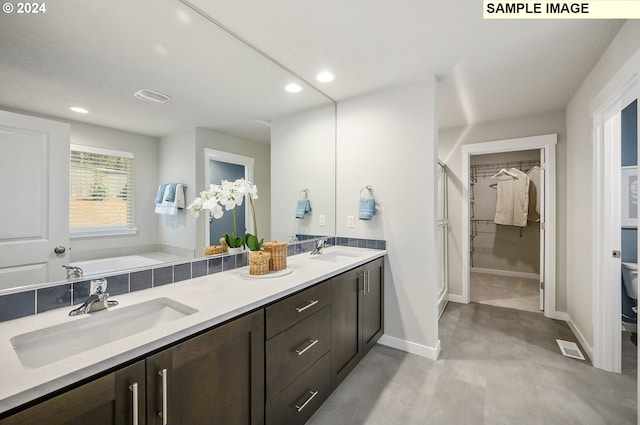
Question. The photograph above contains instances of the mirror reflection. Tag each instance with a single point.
(223, 96)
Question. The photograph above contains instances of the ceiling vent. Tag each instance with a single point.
(151, 96)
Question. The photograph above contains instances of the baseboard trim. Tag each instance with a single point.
(411, 347)
(561, 315)
(505, 273)
(456, 299)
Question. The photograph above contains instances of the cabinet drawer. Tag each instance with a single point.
(288, 312)
(297, 402)
(294, 350)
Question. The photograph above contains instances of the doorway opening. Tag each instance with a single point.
(540, 237)
(505, 254)
(220, 166)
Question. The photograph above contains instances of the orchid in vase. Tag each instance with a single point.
(229, 195)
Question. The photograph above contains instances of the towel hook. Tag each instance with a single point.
(306, 193)
(367, 187)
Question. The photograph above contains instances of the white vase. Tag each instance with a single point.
(239, 250)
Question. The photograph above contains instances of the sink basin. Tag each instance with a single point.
(47, 345)
(335, 256)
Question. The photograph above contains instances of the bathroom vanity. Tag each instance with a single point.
(245, 350)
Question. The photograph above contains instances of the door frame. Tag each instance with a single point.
(443, 223)
(231, 158)
(604, 109)
(546, 142)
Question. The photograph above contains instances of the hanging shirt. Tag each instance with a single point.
(512, 202)
(533, 213)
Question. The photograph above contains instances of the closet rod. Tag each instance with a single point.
(511, 164)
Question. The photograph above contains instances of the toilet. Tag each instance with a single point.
(630, 279)
(629, 299)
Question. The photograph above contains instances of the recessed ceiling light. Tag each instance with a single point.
(79, 110)
(293, 88)
(325, 77)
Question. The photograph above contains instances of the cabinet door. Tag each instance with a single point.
(373, 304)
(105, 401)
(346, 306)
(214, 378)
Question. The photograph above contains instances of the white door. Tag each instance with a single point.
(541, 194)
(34, 154)
(443, 230)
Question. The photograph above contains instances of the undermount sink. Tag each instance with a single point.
(47, 345)
(335, 256)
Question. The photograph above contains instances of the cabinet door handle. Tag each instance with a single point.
(311, 343)
(368, 281)
(299, 407)
(163, 413)
(364, 282)
(310, 304)
(134, 402)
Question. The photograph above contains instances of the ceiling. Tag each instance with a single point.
(98, 53)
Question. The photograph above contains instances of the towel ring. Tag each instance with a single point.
(367, 187)
(306, 193)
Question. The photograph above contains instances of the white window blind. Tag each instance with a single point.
(101, 191)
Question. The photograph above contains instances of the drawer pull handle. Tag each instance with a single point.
(134, 402)
(311, 304)
(163, 413)
(302, 406)
(312, 342)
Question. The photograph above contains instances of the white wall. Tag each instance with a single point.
(206, 138)
(145, 151)
(177, 233)
(577, 230)
(388, 139)
(449, 142)
(303, 152)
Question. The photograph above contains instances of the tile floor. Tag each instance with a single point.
(497, 366)
(505, 291)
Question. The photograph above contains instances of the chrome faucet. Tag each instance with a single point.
(98, 300)
(319, 246)
(73, 271)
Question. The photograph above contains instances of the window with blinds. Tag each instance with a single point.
(100, 191)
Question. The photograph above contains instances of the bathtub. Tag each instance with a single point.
(108, 265)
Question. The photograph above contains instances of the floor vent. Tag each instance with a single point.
(570, 349)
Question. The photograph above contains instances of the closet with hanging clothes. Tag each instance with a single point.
(505, 195)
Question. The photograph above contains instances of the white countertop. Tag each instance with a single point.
(217, 297)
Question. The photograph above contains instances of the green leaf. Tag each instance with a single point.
(233, 242)
(252, 242)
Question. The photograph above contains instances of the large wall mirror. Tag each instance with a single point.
(224, 95)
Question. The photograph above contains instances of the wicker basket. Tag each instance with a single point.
(259, 262)
(223, 244)
(278, 251)
(214, 249)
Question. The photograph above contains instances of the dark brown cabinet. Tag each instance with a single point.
(298, 358)
(357, 298)
(214, 378)
(109, 400)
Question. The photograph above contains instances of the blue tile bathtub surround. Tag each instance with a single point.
(141, 280)
(215, 265)
(53, 297)
(66, 294)
(182, 272)
(80, 291)
(198, 268)
(118, 284)
(162, 276)
(21, 304)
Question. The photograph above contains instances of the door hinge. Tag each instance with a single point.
(542, 284)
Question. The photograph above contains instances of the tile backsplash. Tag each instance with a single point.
(72, 292)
